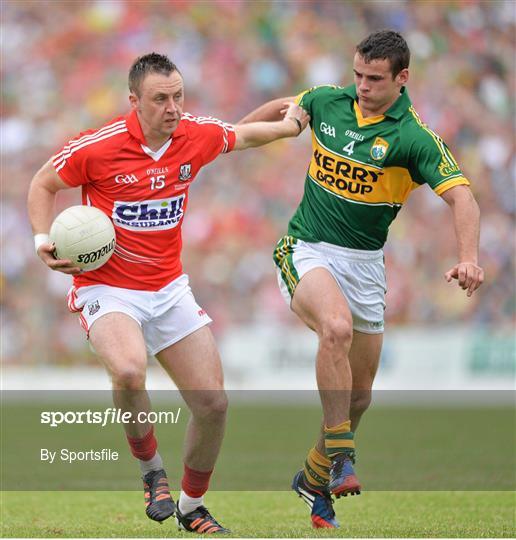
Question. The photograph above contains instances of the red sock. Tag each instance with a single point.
(195, 483)
(144, 448)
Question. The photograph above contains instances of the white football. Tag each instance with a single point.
(85, 235)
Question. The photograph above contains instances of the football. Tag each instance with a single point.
(85, 235)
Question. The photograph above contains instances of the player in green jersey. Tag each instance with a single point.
(369, 151)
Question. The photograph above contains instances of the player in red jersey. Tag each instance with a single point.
(137, 169)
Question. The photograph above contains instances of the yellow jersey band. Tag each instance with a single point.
(448, 184)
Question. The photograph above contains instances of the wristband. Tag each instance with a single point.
(40, 239)
(298, 122)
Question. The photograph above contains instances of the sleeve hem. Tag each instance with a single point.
(448, 184)
(231, 141)
(67, 181)
(299, 97)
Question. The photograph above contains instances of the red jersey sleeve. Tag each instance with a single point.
(72, 161)
(214, 136)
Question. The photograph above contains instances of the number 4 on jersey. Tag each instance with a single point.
(349, 148)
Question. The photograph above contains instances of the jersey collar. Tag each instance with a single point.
(400, 106)
(135, 129)
(396, 110)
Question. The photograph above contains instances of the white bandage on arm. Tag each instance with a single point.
(39, 239)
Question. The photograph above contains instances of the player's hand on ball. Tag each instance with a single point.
(46, 254)
(297, 115)
(469, 276)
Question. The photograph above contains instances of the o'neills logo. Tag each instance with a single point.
(154, 215)
(92, 256)
(447, 169)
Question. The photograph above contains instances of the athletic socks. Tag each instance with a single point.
(153, 464)
(145, 450)
(339, 440)
(193, 486)
(188, 504)
(317, 468)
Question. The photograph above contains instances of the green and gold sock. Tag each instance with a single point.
(317, 468)
(339, 440)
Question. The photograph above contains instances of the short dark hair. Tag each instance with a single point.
(386, 44)
(149, 63)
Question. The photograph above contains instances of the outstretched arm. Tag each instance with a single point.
(466, 217)
(259, 133)
(268, 112)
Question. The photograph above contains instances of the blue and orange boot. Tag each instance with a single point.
(158, 501)
(343, 480)
(318, 500)
(199, 521)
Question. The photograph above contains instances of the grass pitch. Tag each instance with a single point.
(399, 448)
(448, 454)
(264, 514)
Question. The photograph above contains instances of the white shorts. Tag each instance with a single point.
(165, 316)
(360, 275)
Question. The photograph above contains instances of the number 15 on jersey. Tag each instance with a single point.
(157, 182)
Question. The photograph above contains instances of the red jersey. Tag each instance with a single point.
(145, 193)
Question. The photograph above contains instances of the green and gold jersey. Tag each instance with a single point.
(362, 170)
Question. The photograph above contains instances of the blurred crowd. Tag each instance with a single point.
(64, 69)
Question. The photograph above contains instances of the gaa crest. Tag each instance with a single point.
(185, 172)
(379, 148)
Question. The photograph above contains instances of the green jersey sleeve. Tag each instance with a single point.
(308, 98)
(431, 162)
